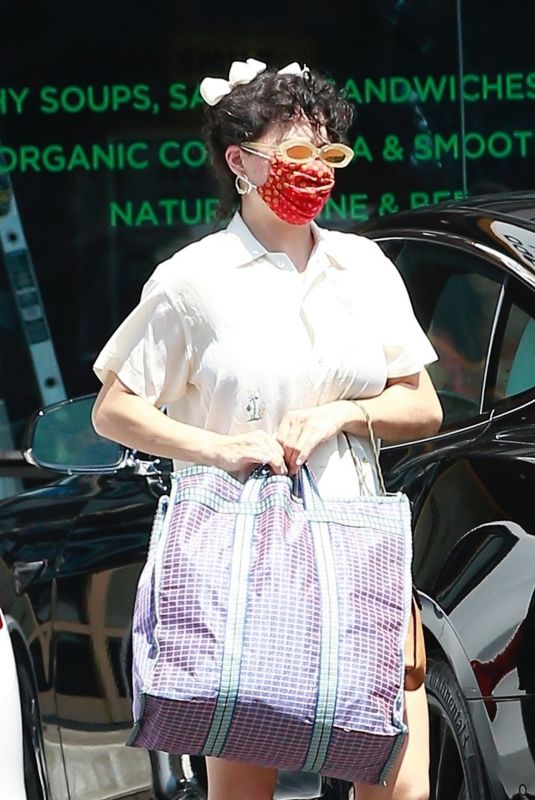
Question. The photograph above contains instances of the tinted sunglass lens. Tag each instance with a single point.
(334, 155)
(299, 152)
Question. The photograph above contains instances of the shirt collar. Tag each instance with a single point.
(328, 242)
(248, 249)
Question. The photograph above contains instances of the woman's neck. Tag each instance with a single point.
(297, 241)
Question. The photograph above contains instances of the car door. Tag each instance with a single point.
(95, 595)
(474, 539)
(506, 472)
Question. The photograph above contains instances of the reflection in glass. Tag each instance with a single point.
(64, 437)
(516, 369)
(454, 295)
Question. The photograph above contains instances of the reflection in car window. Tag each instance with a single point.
(516, 365)
(471, 559)
(454, 295)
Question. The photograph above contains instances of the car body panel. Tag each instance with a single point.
(96, 585)
(513, 746)
(33, 530)
(465, 545)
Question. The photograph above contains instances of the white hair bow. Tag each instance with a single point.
(294, 69)
(214, 89)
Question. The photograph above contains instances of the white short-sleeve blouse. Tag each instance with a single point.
(229, 337)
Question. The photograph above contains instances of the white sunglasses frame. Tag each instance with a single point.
(261, 149)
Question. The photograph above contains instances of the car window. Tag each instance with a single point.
(516, 362)
(454, 295)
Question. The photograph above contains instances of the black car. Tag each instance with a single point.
(71, 551)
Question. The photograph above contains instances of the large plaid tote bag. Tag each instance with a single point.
(269, 625)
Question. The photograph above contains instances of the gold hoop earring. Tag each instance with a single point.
(240, 188)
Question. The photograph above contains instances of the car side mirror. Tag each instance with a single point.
(62, 437)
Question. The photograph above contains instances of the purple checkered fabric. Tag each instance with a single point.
(237, 652)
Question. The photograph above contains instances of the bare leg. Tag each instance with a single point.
(409, 779)
(231, 780)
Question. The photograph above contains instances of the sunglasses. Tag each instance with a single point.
(299, 151)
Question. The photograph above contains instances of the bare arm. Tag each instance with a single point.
(131, 420)
(408, 408)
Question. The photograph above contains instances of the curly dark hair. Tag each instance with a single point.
(246, 112)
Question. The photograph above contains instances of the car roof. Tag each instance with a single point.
(503, 224)
(519, 206)
(514, 204)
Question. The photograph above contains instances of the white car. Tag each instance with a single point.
(11, 747)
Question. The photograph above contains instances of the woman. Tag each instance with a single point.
(258, 338)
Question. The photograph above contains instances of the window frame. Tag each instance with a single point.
(496, 408)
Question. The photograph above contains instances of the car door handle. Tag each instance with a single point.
(25, 572)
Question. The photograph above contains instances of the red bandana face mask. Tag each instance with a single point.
(297, 193)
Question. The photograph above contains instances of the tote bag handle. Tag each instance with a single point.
(304, 485)
(375, 450)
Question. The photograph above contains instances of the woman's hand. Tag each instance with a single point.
(240, 451)
(121, 415)
(302, 430)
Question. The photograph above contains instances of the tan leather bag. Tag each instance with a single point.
(415, 661)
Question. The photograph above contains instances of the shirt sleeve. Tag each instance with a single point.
(407, 349)
(150, 351)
